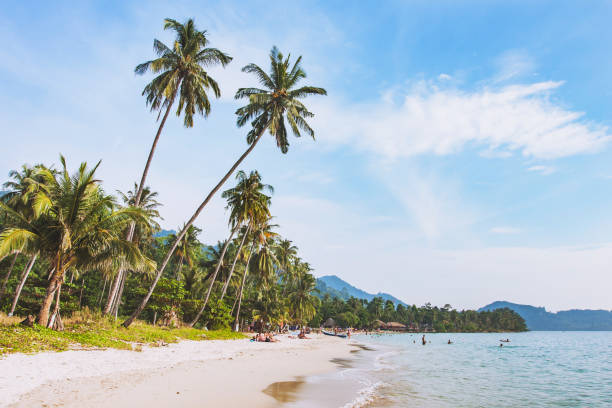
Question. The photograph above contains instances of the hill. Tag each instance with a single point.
(537, 318)
(336, 287)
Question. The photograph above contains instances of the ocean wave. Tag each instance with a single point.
(365, 396)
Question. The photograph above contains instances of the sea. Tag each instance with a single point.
(534, 369)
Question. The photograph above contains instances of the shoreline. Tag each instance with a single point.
(185, 374)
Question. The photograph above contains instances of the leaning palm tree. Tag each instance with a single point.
(76, 227)
(247, 203)
(181, 74)
(267, 110)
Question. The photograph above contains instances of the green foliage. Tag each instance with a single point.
(217, 314)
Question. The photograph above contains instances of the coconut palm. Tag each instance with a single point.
(267, 110)
(249, 205)
(285, 253)
(187, 250)
(302, 303)
(18, 196)
(262, 264)
(246, 202)
(181, 74)
(141, 233)
(76, 226)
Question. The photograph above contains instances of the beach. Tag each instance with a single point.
(185, 374)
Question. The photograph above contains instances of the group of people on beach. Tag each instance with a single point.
(265, 337)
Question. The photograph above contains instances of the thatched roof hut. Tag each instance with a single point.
(394, 326)
(329, 323)
(378, 323)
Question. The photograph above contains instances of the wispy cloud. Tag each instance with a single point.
(428, 120)
(542, 169)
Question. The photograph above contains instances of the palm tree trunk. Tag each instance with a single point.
(181, 234)
(143, 179)
(56, 308)
(179, 267)
(117, 302)
(8, 275)
(43, 315)
(246, 270)
(22, 282)
(103, 290)
(112, 293)
(234, 263)
(214, 277)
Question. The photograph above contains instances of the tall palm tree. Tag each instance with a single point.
(139, 233)
(249, 205)
(263, 262)
(268, 110)
(77, 226)
(181, 73)
(246, 201)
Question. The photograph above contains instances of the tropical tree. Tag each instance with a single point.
(187, 250)
(181, 74)
(141, 234)
(247, 203)
(267, 110)
(77, 226)
(286, 252)
(302, 302)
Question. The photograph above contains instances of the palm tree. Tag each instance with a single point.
(138, 233)
(181, 73)
(285, 253)
(267, 110)
(303, 304)
(262, 266)
(187, 250)
(249, 205)
(246, 202)
(19, 197)
(76, 226)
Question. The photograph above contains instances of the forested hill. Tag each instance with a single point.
(537, 318)
(336, 287)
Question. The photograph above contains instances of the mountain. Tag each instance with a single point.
(537, 318)
(336, 287)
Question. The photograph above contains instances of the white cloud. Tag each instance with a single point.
(444, 77)
(542, 169)
(505, 230)
(513, 64)
(429, 120)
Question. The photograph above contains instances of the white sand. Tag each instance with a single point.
(186, 374)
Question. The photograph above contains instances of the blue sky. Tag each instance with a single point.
(462, 155)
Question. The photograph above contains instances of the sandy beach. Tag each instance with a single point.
(186, 374)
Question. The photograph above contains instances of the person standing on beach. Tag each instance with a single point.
(423, 340)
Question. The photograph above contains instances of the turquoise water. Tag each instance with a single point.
(536, 369)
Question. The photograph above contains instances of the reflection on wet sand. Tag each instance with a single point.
(284, 391)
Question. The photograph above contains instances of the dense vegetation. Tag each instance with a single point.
(68, 246)
(361, 313)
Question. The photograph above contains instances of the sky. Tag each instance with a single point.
(462, 155)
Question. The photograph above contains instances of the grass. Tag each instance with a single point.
(90, 330)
